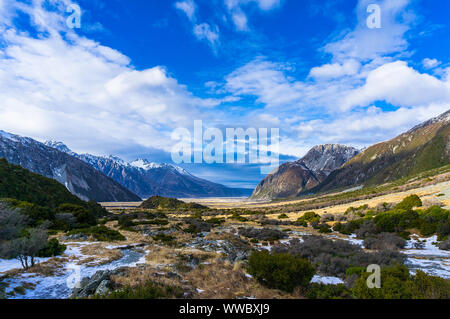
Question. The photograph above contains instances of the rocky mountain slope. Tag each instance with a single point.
(290, 179)
(77, 176)
(149, 179)
(425, 147)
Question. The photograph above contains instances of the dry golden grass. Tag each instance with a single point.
(221, 280)
(427, 193)
(99, 255)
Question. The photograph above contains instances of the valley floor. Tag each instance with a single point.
(206, 263)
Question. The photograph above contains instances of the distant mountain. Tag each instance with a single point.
(77, 176)
(425, 147)
(150, 179)
(290, 179)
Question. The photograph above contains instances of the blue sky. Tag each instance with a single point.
(137, 70)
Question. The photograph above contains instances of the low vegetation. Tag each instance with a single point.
(280, 271)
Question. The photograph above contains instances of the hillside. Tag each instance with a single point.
(77, 176)
(290, 179)
(425, 147)
(21, 184)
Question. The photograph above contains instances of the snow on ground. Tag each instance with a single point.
(429, 249)
(327, 280)
(60, 286)
(7, 265)
(438, 267)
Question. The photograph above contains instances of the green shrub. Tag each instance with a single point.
(322, 291)
(280, 271)
(158, 202)
(126, 222)
(100, 233)
(238, 217)
(148, 290)
(53, 248)
(409, 203)
(355, 271)
(216, 221)
(397, 283)
(166, 239)
(325, 229)
(283, 216)
(84, 217)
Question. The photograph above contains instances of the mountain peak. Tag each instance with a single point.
(59, 146)
(328, 157)
(144, 164)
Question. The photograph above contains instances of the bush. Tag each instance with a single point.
(368, 228)
(148, 290)
(322, 291)
(385, 241)
(53, 248)
(166, 239)
(265, 234)
(325, 229)
(333, 258)
(125, 222)
(280, 271)
(158, 202)
(238, 217)
(409, 203)
(283, 216)
(100, 233)
(394, 285)
(84, 217)
(397, 283)
(309, 217)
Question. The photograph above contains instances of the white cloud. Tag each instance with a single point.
(336, 70)
(265, 80)
(205, 32)
(400, 85)
(188, 7)
(430, 63)
(368, 126)
(86, 94)
(366, 44)
(239, 17)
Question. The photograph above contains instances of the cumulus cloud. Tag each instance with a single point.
(267, 81)
(335, 70)
(400, 85)
(74, 89)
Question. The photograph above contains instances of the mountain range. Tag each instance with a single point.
(334, 167)
(293, 178)
(424, 147)
(148, 179)
(80, 178)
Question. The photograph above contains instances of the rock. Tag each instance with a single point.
(76, 237)
(89, 286)
(103, 288)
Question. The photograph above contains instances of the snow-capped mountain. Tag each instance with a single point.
(79, 178)
(290, 179)
(424, 147)
(148, 179)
